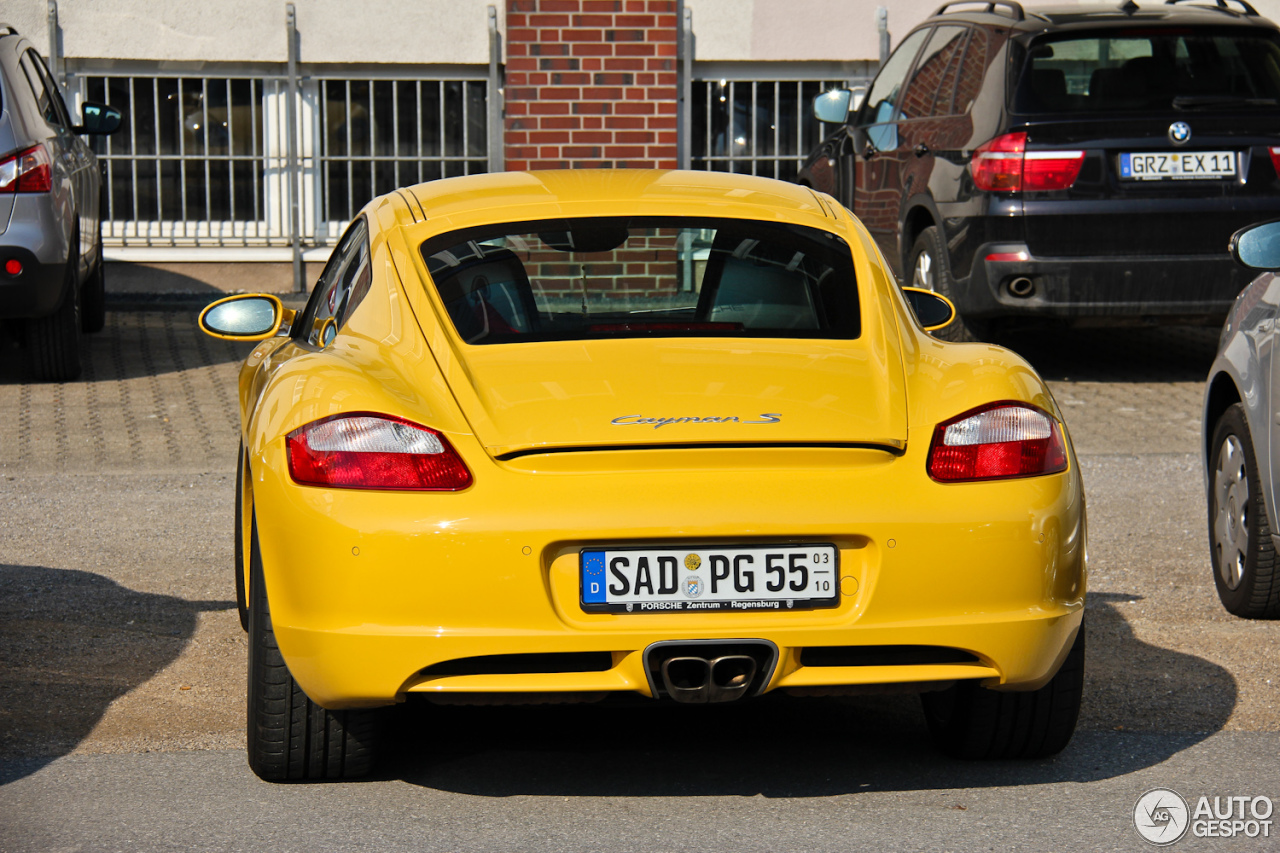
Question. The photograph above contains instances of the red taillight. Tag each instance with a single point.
(13, 266)
(997, 165)
(361, 451)
(29, 171)
(997, 441)
(1275, 159)
(1004, 165)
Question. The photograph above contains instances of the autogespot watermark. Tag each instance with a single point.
(1163, 817)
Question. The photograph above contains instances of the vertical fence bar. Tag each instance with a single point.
(684, 87)
(351, 160)
(255, 98)
(417, 129)
(493, 97)
(55, 46)
(291, 106)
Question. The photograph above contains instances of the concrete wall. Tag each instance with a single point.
(379, 31)
(443, 31)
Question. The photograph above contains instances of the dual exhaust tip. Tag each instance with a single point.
(699, 680)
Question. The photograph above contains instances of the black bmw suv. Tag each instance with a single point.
(1081, 163)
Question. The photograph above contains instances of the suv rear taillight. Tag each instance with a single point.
(1004, 165)
(29, 171)
(365, 451)
(995, 442)
(1275, 159)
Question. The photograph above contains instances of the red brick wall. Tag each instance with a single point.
(591, 83)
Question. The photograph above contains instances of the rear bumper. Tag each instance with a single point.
(35, 238)
(1192, 288)
(36, 291)
(385, 586)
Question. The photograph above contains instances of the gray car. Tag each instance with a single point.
(1242, 435)
(51, 272)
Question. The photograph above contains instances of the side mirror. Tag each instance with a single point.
(99, 119)
(933, 310)
(1257, 246)
(833, 106)
(247, 317)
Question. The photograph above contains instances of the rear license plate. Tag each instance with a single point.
(1181, 165)
(715, 579)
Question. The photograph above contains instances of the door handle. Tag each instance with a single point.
(921, 150)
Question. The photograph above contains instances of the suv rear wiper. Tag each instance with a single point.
(1191, 102)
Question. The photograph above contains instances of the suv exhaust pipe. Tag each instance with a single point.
(1022, 287)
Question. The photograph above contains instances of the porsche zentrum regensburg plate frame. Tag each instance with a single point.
(709, 578)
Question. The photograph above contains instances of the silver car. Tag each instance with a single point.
(51, 272)
(1242, 435)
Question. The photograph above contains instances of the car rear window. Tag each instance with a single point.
(597, 278)
(1152, 69)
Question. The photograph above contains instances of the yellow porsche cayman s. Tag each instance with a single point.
(563, 436)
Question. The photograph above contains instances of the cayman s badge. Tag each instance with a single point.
(658, 423)
(1179, 133)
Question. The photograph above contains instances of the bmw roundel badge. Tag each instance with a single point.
(1179, 133)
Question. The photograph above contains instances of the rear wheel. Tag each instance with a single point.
(93, 299)
(290, 737)
(1240, 545)
(970, 721)
(53, 342)
(928, 269)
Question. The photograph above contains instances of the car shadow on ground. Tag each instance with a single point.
(161, 339)
(782, 746)
(1144, 354)
(71, 642)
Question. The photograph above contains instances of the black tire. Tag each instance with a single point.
(972, 722)
(291, 738)
(928, 268)
(93, 298)
(53, 342)
(1240, 545)
(242, 600)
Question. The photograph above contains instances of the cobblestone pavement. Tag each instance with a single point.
(157, 394)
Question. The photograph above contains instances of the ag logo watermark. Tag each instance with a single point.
(1162, 817)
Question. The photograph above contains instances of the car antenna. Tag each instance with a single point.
(1128, 7)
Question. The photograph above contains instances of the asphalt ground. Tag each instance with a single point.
(122, 660)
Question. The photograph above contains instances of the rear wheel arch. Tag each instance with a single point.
(916, 220)
(245, 534)
(1223, 394)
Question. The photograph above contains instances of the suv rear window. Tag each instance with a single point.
(595, 278)
(1150, 70)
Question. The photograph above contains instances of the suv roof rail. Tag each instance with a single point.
(1012, 8)
(1220, 4)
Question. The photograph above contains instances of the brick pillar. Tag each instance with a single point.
(591, 83)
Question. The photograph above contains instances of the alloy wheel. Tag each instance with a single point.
(1231, 512)
(922, 275)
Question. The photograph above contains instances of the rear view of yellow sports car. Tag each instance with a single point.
(566, 436)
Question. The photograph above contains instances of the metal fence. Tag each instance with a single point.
(380, 134)
(756, 127)
(201, 160)
(187, 166)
